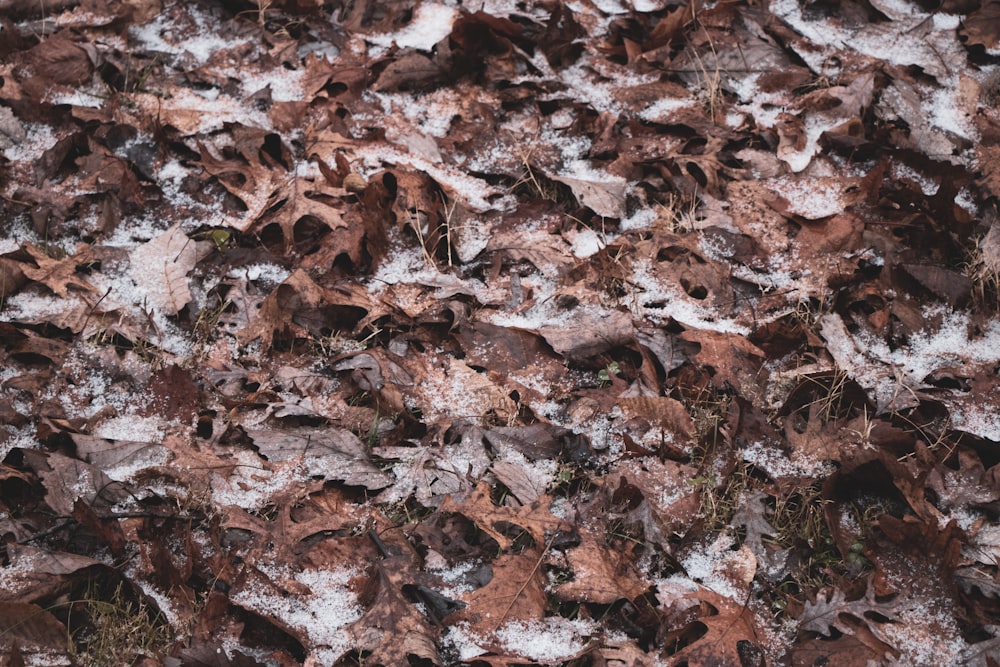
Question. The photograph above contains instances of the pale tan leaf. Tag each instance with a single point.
(604, 194)
(160, 268)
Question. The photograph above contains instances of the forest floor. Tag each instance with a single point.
(593, 333)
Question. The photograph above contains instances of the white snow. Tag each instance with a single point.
(555, 638)
(322, 614)
(777, 464)
(812, 198)
(131, 427)
(162, 35)
(430, 24)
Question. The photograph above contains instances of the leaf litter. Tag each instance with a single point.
(565, 334)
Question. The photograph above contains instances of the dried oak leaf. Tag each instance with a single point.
(12, 277)
(43, 573)
(67, 480)
(300, 199)
(107, 454)
(515, 593)
(507, 350)
(245, 177)
(525, 487)
(434, 390)
(407, 71)
(990, 247)
(751, 517)
(394, 629)
(491, 519)
(59, 274)
(669, 504)
(982, 25)
(732, 359)
(985, 653)
(827, 613)
(849, 649)
(983, 546)
(730, 631)
(969, 485)
(286, 537)
(276, 314)
(819, 438)
(988, 157)
(174, 395)
(600, 575)
(106, 530)
(663, 411)
(538, 441)
(204, 653)
(101, 170)
(952, 286)
(915, 543)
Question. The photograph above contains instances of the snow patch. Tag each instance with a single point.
(322, 614)
(430, 24)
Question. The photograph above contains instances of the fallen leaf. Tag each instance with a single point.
(59, 274)
(161, 266)
(329, 452)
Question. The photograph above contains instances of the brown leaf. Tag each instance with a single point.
(42, 571)
(734, 361)
(538, 441)
(30, 626)
(276, 313)
(394, 629)
(62, 61)
(525, 488)
(107, 454)
(989, 157)
(666, 412)
(515, 593)
(253, 183)
(506, 350)
(731, 634)
(12, 277)
(849, 649)
(968, 485)
(107, 530)
(11, 131)
(408, 71)
(601, 575)
(952, 286)
(59, 274)
(669, 502)
(174, 394)
(817, 439)
(103, 171)
(827, 612)
(534, 518)
(300, 199)
(982, 25)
